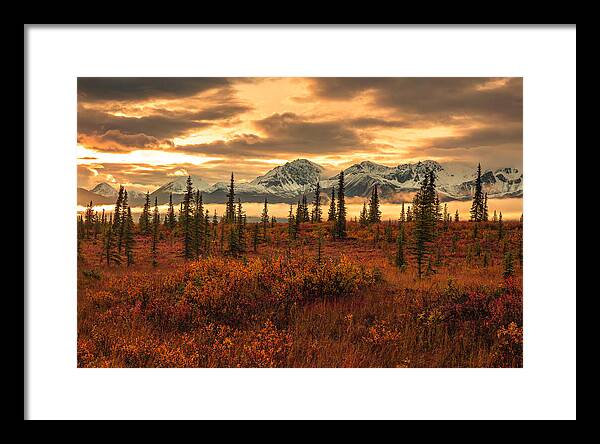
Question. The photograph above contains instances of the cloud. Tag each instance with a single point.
(161, 124)
(475, 97)
(90, 89)
(291, 130)
(116, 141)
(482, 137)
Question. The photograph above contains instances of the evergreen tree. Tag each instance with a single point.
(207, 233)
(509, 267)
(400, 262)
(128, 237)
(332, 213)
(198, 225)
(241, 227)
(291, 224)
(374, 212)
(424, 212)
(110, 248)
(145, 216)
(264, 219)
(155, 228)
(116, 225)
(363, 220)
(170, 220)
(456, 217)
(122, 221)
(273, 221)
(299, 216)
(402, 214)
(485, 215)
(438, 210)
(215, 224)
(409, 214)
(230, 208)
(341, 209)
(500, 227)
(89, 220)
(388, 232)
(477, 206)
(305, 213)
(186, 220)
(495, 217)
(317, 213)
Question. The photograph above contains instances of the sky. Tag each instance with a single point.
(143, 132)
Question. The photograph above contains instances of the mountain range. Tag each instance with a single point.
(286, 183)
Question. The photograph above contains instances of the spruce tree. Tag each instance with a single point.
(116, 225)
(110, 248)
(400, 262)
(128, 237)
(186, 220)
(299, 216)
(509, 267)
(402, 214)
(331, 216)
(341, 209)
(207, 233)
(388, 232)
(122, 221)
(316, 211)
(305, 213)
(145, 216)
(264, 219)
(409, 214)
(215, 224)
(170, 220)
(477, 205)
(291, 224)
(456, 216)
(241, 227)
(89, 219)
(363, 219)
(500, 227)
(230, 208)
(424, 212)
(198, 225)
(374, 211)
(273, 221)
(485, 215)
(155, 228)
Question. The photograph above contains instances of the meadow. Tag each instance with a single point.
(307, 301)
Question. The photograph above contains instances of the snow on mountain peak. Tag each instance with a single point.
(104, 189)
(291, 178)
(178, 186)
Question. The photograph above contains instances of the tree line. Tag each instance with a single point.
(201, 232)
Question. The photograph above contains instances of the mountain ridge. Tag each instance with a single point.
(286, 183)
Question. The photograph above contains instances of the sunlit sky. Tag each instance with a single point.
(143, 132)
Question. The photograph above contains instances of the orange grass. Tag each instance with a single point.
(279, 308)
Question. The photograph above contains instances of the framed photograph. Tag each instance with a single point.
(299, 214)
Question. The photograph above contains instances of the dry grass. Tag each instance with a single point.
(279, 308)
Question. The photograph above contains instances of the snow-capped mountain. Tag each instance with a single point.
(454, 182)
(291, 179)
(286, 183)
(104, 189)
(179, 185)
